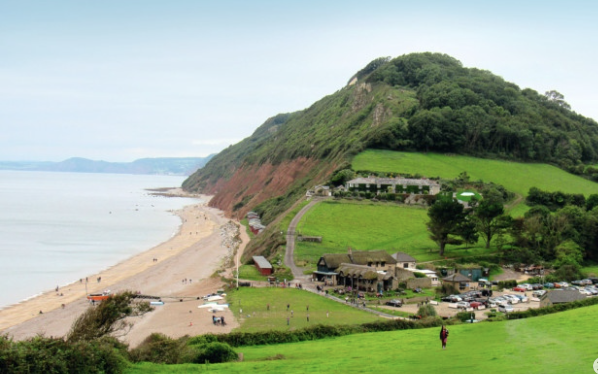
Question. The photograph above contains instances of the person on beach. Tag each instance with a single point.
(443, 336)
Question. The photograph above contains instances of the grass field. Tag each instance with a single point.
(557, 343)
(514, 176)
(370, 226)
(250, 272)
(256, 316)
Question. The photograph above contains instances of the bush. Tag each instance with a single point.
(217, 352)
(419, 275)
(507, 284)
(426, 311)
(161, 349)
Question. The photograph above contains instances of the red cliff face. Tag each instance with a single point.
(257, 184)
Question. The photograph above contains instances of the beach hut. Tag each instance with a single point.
(264, 266)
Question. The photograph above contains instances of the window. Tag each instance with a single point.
(405, 265)
(370, 263)
(383, 263)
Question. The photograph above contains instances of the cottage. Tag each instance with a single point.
(560, 297)
(394, 185)
(329, 263)
(404, 260)
(458, 280)
(264, 266)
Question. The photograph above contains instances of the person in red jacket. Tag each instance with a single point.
(443, 336)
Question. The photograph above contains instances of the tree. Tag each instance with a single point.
(557, 98)
(446, 218)
(107, 318)
(489, 218)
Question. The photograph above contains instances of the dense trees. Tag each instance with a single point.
(473, 111)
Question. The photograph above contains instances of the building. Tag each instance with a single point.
(458, 280)
(404, 260)
(559, 297)
(263, 266)
(434, 281)
(329, 263)
(394, 185)
(365, 278)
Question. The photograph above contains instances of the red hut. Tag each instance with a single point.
(263, 265)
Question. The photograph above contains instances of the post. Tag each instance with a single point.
(237, 268)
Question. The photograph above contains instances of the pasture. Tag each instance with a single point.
(370, 226)
(514, 176)
(556, 343)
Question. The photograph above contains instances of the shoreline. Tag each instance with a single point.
(20, 320)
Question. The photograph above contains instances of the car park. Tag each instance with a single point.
(506, 308)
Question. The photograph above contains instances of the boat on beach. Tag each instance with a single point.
(99, 296)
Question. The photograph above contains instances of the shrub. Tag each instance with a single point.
(217, 352)
(426, 311)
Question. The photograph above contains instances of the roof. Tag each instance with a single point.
(357, 271)
(563, 296)
(457, 277)
(403, 257)
(333, 260)
(261, 262)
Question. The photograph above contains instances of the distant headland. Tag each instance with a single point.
(163, 165)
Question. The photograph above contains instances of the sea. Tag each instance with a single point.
(56, 228)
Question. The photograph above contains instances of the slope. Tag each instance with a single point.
(556, 343)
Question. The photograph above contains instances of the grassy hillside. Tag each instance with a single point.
(515, 176)
(557, 343)
(369, 226)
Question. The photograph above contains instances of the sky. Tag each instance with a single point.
(123, 80)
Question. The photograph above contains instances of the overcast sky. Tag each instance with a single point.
(122, 80)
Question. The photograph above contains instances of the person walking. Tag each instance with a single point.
(443, 336)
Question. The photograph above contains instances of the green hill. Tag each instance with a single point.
(416, 102)
(556, 343)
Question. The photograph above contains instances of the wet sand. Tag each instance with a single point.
(195, 253)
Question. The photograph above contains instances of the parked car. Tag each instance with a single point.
(522, 298)
(506, 308)
(586, 282)
(475, 304)
(394, 302)
(576, 282)
(519, 289)
(593, 290)
(486, 293)
(594, 280)
(537, 286)
(539, 293)
(512, 299)
(548, 285)
(527, 286)
(462, 305)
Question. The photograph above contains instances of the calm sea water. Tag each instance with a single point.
(56, 228)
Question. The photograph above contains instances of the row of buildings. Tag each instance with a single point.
(375, 271)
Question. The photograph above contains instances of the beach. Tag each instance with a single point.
(181, 268)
